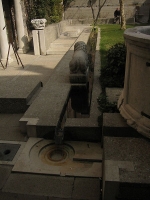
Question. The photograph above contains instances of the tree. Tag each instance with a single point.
(66, 3)
(101, 3)
(123, 20)
(51, 10)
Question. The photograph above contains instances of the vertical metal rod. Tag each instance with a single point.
(7, 56)
(2, 64)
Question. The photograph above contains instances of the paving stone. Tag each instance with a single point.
(86, 188)
(12, 196)
(39, 185)
(33, 186)
(127, 172)
(12, 133)
(4, 174)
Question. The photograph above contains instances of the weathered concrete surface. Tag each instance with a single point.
(37, 187)
(126, 160)
(10, 129)
(126, 171)
(115, 125)
(83, 159)
(52, 186)
(45, 110)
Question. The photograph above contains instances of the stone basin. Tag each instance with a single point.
(72, 158)
(134, 102)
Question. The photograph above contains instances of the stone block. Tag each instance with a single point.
(88, 189)
(14, 196)
(36, 45)
(4, 174)
(126, 173)
(79, 78)
(42, 185)
(42, 42)
(115, 125)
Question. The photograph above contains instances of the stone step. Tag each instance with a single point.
(60, 45)
(15, 95)
(57, 51)
(51, 51)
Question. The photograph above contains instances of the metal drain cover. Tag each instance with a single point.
(8, 151)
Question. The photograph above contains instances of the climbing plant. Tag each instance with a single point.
(51, 10)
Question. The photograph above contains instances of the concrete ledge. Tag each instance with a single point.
(47, 107)
(15, 95)
(126, 173)
(114, 125)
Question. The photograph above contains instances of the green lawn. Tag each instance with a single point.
(110, 35)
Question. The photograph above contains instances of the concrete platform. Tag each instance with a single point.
(126, 161)
(78, 159)
(16, 95)
(51, 187)
(60, 46)
(42, 117)
(20, 185)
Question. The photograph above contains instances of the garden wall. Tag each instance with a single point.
(79, 9)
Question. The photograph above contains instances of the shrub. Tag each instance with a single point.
(112, 74)
(105, 106)
(51, 10)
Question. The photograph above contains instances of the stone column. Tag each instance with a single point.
(22, 38)
(3, 35)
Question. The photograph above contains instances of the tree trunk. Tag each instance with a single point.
(123, 20)
(101, 4)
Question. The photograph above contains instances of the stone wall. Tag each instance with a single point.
(53, 31)
(79, 9)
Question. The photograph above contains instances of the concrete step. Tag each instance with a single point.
(15, 95)
(61, 45)
(53, 51)
(61, 42)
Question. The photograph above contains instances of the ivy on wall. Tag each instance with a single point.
(51, 10)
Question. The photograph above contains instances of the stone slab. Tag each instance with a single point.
(12, 133)
(52, 97)
(47, 108)
(115, 125)
(4, 174)
(85, 161)
(88, 189)
(126, 168)
(16, 94)
(42, 185)
(14, 196)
